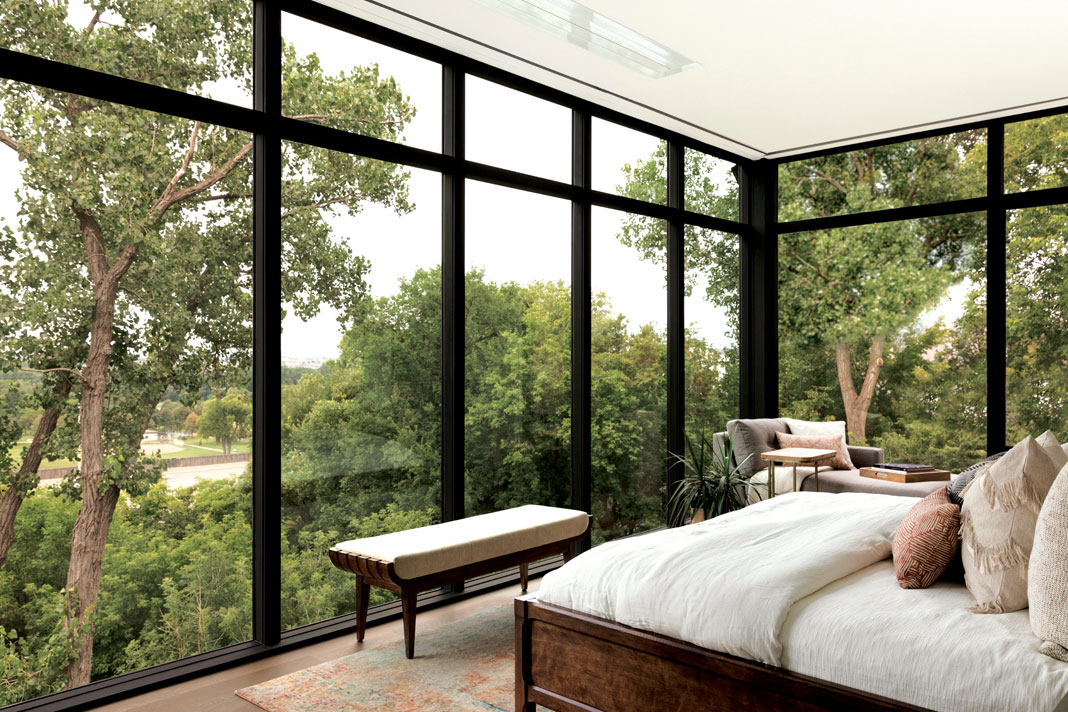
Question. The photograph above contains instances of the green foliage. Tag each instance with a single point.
(710, 483)
(226, 419)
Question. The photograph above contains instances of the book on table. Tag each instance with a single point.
(902, 476)
(902, 467)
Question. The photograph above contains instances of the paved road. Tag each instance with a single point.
(178, 477)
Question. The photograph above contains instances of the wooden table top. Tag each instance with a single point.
(798, 454)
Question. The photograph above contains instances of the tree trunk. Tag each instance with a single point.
(25, 478)
(98, 503)
(857, 404)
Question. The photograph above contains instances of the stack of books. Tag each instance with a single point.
(902, 467)
(904, 472)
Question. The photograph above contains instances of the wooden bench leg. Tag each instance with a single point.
(408, 597)
(363, 594)
(572, 551)
(523, 576)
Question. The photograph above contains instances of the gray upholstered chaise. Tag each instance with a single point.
(833, 481)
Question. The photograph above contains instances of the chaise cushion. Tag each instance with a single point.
(836, 481)
(450, 545)
(753, 436)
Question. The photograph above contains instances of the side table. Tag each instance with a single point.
(795, 456)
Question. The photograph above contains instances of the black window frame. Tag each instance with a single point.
(758, 231)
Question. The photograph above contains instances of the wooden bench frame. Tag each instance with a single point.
(373, 572)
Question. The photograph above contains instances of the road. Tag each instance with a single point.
(178, 477)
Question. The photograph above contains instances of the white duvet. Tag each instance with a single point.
(728, 584)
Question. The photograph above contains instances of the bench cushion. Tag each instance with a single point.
(441, 547)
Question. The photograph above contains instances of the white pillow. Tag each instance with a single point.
(830, 427)
(808, 427)
(1052, 446)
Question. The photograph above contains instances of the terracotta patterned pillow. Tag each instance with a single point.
(926, 541)
(820, 442)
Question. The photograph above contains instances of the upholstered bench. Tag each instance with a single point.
(425, 558)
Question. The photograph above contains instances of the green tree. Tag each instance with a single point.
(226, 419)
(133, 236)
(850, 289)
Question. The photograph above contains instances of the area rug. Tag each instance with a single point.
(466, 665)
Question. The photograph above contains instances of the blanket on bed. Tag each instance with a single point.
(727, 584)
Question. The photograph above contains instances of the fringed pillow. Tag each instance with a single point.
(1047, 576)
(998, 519)
(820, 442)
(926, 541)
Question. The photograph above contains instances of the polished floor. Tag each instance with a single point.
(215, 693)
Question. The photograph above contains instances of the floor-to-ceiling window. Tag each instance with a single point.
(125, 429)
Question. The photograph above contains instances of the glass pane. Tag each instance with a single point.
(903, 305)
(361, 366)
(929, 170)
(1036, 154)
(346, 82)
(112, 214)
(711, 186)
(205, 51)
(513, 130)
(629, 376)
(1036, 302)
(629, 162)
(711, 313)
(518, 426)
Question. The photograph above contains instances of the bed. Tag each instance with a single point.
(790, 604)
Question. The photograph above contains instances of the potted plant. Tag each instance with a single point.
(710, 485)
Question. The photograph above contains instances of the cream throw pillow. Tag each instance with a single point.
(829, 427)
(1047, 575)
(1052, 446)
(998, 519)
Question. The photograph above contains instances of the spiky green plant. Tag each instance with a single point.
(709, 482)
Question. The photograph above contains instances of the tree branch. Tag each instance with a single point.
(9, 142)
(92, 23)
(820, 174)
(352, 197)
(815, 268)
(186, 160)
(165, 202)
(50, 370)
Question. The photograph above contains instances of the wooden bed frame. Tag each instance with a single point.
(572, 662)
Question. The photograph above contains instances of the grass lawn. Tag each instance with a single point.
(198, 447)
(210, 444)
(16, 456)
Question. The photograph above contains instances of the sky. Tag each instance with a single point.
(512, 235)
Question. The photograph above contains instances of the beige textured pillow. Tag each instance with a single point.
(1047, 575)
(1052, 446)
(997, 530)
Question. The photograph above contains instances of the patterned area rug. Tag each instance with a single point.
(466, 665)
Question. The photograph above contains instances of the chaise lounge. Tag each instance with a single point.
(751, 437)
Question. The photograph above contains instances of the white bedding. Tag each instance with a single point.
(920, 646)
(728, 584)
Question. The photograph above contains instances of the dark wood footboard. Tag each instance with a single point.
(572, 662)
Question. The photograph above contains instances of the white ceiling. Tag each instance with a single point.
(780, 77)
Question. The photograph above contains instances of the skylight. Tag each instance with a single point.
(601, 35)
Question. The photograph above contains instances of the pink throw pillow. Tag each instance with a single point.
(926, 541)
(820, 442)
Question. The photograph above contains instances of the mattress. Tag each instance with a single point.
(921, 646)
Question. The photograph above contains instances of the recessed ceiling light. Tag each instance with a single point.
(591, 30)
